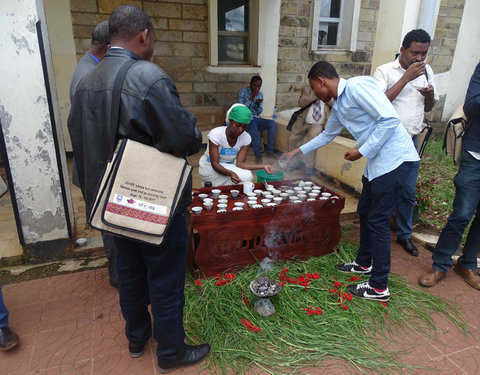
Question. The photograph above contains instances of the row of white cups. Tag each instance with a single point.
(265, 198)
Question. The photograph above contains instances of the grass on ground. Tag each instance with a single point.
(316, 322)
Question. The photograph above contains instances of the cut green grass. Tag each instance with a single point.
(316, 320)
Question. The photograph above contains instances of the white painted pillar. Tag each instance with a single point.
(28, 116)
(465, 59)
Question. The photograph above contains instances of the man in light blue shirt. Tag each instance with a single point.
(363, 109)
(252, 97)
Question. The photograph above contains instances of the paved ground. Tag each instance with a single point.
(71, 323)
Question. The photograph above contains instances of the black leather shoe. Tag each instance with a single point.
(408, 246)
(136, 350)
(8, 339)
(193, 355)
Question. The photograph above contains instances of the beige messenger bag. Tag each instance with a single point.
(139, 192)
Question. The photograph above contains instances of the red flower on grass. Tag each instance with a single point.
(313, 311)
(355, 278)
(198, 282)
(227, 278)
(250, 326)
(301, 280)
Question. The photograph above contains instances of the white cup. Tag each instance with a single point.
(311, 199)
(223, 196)
(283, 196)
(302, 197)
(202, 196)
(208, 200)
(225, 201)
(258, 192)
(221, 210)
(234, 193)
(313, 195)
(251, 195)
(326, 194)
(248, 187)
(257, 206)
(276, 192)
(222, 206)
(290, 192)
(271, 204)
(251, 203)
(239, 204)
(308, 189)
(309, 183)
(298, 188)
(216, 193)
(265, 201)
(207, 205)
(237, 208)
(278, 200)
(197, 210)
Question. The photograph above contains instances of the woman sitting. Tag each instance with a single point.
(224, 160)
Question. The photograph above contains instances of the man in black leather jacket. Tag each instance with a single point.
(151, 113)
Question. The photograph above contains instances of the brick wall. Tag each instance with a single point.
(181, 50)
(295, 57)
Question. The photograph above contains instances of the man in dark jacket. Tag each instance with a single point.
(151, 113)
(466, 203)
(98, 48)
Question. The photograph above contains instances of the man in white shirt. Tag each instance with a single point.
(408, 84)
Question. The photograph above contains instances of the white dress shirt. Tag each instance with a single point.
(409, 103)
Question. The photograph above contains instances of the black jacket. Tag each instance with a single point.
(150, 113)
(471, 108)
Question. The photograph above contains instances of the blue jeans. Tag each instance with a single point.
(466, 204)
(155, 275)
(375, 207)
(3, 312)
(257, 125)
(406, 200)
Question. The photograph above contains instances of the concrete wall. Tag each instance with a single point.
(29, 133)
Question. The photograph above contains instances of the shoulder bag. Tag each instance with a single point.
(141, 186)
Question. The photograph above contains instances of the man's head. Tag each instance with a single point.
(131, 28)
(323, 80)
(255, 83)
(414, 47)
(100, 39)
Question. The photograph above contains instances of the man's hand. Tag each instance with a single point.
(269, 169)
(353, 155)
(258, 101)
(415, 70)
(427, 91)
(286, 157)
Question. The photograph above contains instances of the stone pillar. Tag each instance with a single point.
(32, 134)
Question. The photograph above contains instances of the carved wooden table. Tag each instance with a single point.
(231, 240)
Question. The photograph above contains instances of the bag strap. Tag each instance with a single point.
(116, 95)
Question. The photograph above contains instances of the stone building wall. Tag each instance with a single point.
(295, 56)
(444, 42)
(181, 50)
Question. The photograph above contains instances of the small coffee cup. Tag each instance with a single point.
(216, 193)
(207, 205)
(234, 193)
(202, 196)
(197, 210)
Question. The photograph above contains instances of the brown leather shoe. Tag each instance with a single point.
(431, 278)
(470, 276)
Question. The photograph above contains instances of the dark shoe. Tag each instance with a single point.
(8, 339)
(408, 246)
(258, 160)
(431, 278)
(193, 355)
(353, 267)
(269, 154)
(470, 276)
(365, 291)
(136, 350)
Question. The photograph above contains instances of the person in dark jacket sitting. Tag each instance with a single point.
(150, 113)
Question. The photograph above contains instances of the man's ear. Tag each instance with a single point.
(402, 50)
(144, 37)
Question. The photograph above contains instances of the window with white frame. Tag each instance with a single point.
(234, 32)
(335, 24)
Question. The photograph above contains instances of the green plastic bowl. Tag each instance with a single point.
(264, 176)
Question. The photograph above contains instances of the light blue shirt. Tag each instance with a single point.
(244, 98)
(365, 111)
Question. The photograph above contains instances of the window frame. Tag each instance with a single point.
(347, 27)
(252, 41)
